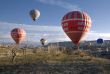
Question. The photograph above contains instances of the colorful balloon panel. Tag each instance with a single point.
(18, 35)
(76, 25)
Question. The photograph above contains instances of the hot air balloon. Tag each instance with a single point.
(76, 25)
(42, 41)
(34, 14)
(18, 35)
(100, 41)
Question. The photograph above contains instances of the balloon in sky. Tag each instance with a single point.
(100, 41)
(18, 35)
(42, 41)
(34, 14)
(76, 25)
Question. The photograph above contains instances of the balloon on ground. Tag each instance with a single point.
(100, 41)
(76, 25)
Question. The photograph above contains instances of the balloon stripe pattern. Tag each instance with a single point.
(18, 35)
(76, 24)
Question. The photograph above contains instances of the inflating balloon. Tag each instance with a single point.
(42, 41)
(18, 35)
(76, 25)
(34, 14)
(100, 41)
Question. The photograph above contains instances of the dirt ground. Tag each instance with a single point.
(56, 68)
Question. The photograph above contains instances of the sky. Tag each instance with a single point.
(15, 13)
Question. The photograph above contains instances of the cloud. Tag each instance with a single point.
(51, 33)
(34, 32)
(94, 35)
(61, 3)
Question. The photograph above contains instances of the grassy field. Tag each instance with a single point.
(51, 61)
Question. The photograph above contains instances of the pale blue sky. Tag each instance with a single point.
(52, 11)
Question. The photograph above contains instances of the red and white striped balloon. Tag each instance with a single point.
(76, 25)
(18, 35)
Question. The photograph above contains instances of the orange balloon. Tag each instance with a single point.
(76, 25)
(18, 35)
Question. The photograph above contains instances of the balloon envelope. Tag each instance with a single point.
(42, 41)
(34, 14)
(76, 25)
(18, 35)
(100, 41)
